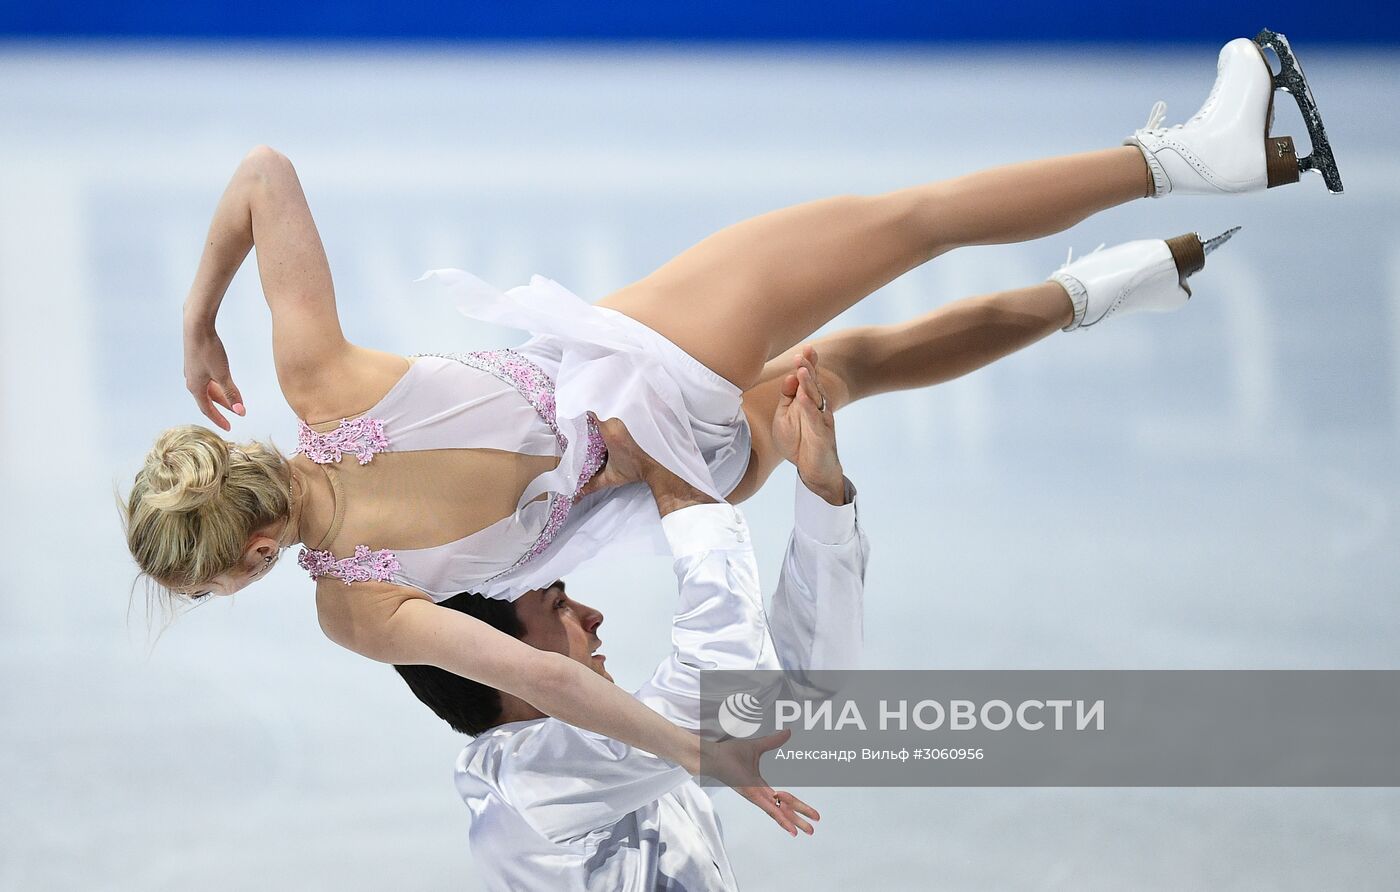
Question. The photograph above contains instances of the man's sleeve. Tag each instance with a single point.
(719, 621)
(568, 782)
(818, 617)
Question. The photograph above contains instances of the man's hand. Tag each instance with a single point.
(735, 762)
(627, 463)
(804, 430)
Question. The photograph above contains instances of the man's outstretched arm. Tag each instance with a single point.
(719, 622)
(818, 614)
(568, 782)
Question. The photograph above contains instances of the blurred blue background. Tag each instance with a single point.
(721, 20)
(1211, 489)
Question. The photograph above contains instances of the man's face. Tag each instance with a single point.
(554, 621)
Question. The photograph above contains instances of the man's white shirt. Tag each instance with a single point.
(557, 807)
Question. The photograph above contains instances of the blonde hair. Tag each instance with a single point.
(196, 502)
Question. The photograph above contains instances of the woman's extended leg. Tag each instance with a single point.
(751, 291)
(939, 346)
(746, 294)
(1148, 274)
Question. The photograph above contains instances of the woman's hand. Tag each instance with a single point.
(804, 430)
(308, 346)
(207, 375)
(735, 762)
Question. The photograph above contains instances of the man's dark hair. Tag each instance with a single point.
(468, 706)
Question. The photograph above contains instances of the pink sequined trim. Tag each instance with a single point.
(363, 566)
(538, 390)
(363, 437)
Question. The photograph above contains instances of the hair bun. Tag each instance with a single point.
(186, 468)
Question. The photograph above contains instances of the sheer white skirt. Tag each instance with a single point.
(678, 410)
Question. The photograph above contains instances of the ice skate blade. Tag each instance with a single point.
(1189, 253)
(1209, 245)
(1291, 80)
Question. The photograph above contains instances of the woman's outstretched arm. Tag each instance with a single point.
(263, 205)
(393, 624)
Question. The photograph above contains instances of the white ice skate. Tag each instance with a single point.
(1143, 275)
(1226, 147)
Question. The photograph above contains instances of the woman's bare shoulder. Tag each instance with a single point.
(347, 387)
(357, 615)
(334, 594)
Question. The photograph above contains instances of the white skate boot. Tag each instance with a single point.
(1143, 275)
(1226, 147)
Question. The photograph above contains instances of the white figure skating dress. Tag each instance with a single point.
(515, 422)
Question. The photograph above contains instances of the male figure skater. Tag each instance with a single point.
(556, 807)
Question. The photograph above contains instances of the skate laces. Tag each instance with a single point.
(1156, 116)
(1159, 110)
(1069, 258)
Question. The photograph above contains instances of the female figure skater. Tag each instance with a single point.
(480, 471)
